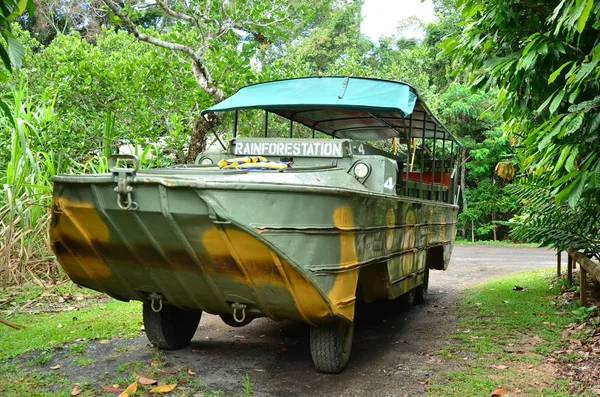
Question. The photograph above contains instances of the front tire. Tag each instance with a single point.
(421, 291)
(330, 346)
(171, 328)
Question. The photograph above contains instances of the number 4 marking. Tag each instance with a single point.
(361, 149)
(389, 184)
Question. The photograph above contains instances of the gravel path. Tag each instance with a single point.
(391, 351)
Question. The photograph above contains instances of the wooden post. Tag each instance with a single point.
(557, 263)
(582, 286)
(569, 269)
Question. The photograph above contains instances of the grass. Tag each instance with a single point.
(503, 338)
(105, 320)
(491, 242)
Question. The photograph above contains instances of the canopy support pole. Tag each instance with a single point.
(408, 154)
(433, 161)
(422, 156)
(266, 122)
(235, 124)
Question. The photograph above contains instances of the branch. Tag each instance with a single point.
(11, 324)
(201, 73)
(175, 14)
(149, 39)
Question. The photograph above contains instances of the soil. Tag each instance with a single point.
(393, 351)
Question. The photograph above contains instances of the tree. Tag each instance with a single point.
(223, 25)
(544, 58)
(12, 53)
(485, 200)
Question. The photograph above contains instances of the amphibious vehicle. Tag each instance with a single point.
(331, 190)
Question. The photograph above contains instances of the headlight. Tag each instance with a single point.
(206, 161)
(361, 170)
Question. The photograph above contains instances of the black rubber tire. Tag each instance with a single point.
(228, 319)
(330, 346)
(421, 291)
(171, 328)
(407, 300)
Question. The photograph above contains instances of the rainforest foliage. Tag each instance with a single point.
(82, 78)
(543, 59)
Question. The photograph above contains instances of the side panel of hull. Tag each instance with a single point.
(285, 255)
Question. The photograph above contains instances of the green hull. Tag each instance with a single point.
(305, 250)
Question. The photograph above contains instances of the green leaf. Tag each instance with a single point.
(575, 195)
(5, 58)
(554, 75)
(21, 5)
(557, 100)
(7, 112)
(561, 159)
(16, 50)
(584, 16)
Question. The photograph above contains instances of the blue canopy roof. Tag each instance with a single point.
(344, 107)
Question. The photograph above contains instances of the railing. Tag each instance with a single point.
(586, 266)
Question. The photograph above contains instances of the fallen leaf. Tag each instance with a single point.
(57, 366)
(76, 390)
(59, 326)
(499, 392)
(143, 380)
(402, 341)
(163, 388)
(130, 391)
(501, 366)
(283, 349)
(104, 341)
(190, 372)
(517, 288)
(530, 366)
(196, 351)
(112, 389)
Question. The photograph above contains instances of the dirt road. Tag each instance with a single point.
(391, 352)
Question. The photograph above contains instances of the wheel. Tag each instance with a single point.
(421, 291)
(330, 346)
(171, 328)
(228, 319)
(405, 301)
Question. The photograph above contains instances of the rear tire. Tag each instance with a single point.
(171, 328)
(407, 300)
(330, 346)
(421, 291)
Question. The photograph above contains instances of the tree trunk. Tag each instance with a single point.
(202, 128)
(463, 178)
(472, 230)
(494, 229)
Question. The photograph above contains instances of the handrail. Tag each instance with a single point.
(586, 266)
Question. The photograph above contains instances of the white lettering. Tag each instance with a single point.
(296, 151)
(288, 149)
(327, 149)
(389, 184)
(337, 150)
(272, 148)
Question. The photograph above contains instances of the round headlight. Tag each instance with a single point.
(361, 170)
(206, 161)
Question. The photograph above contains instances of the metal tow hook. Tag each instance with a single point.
(239, 306)
(156, 297)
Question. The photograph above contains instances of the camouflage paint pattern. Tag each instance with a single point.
(290, 245)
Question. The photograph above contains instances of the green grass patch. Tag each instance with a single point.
(505, 243)
(50, 330)
(506, 329)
